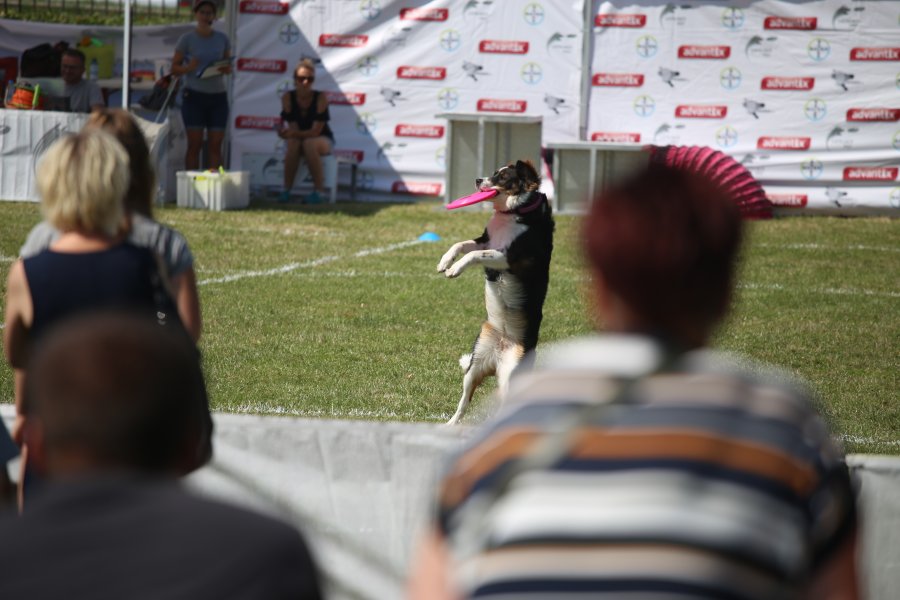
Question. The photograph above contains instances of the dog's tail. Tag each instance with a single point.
(465, 361)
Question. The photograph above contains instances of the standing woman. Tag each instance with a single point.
(305, 111)
(204, 101)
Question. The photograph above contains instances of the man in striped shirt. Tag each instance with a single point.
(637, 463)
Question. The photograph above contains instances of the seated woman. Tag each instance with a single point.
(308, 136)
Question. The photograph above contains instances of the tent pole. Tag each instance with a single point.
(126, 56)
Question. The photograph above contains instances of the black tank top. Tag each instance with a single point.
(64, 285)
(305, 117)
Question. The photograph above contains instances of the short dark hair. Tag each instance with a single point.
(121, 389)
(200, 3)
(665, 242)
(76, 54)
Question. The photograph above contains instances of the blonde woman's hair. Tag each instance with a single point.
(82, 180)
(305, 63)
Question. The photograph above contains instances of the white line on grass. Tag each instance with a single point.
(833, 291)
(333, 413)
(6, 259)
(858, 439)
(305, 265)
(813, 246)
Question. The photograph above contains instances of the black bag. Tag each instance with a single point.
(43, 60)
(162, 95)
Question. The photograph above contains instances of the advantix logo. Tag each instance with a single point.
(422, 188)
(357, 155)
(617, 79)
(787, 83)
(620, 20)
(799, 23)
(410, 72)
(255, 7)
(788, 200)
(700, 111)
(262, 65)
(338, 40)
(256, 122)
(783, 143)
(503, 47)
(501, 105)
(870, 173)
(873, 114)
(424, 14)
(875, 54)
(616, 137)
(346, 98)
(704, 52)
(420, 131)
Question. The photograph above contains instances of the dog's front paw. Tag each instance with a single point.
(455, 270)
(446, 260)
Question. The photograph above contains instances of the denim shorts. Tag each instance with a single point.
(204, 111)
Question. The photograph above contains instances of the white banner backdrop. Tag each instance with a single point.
(390, 66)
(805, 94)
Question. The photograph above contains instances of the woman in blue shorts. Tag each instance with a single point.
(205, 99)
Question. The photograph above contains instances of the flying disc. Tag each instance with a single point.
(472, 199)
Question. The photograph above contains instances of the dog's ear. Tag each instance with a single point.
(525, 170)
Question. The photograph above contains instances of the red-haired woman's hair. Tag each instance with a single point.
(665, 242)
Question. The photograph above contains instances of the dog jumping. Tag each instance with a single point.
(514, 251)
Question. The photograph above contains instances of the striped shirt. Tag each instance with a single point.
(709, 479)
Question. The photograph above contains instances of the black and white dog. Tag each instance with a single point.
(515, 251)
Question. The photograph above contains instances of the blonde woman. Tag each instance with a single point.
(81, 180)
(304, 112)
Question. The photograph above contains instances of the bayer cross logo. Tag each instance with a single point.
(896, 140)
(531, 73)
(450, 40)
(894, 198)
(812, 168)
(367, 65)
(647, 46)
(289, 34)
(815, 109)
(727, 136)
(730, 78)
(440, 156)
(448, 98)
(366, 122)
(818, 49)
(644, 106)
(733, 18)
(370, 9)
(534, 14)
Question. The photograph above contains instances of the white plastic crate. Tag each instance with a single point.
(213, 190)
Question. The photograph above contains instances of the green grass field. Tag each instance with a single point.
(339, 313)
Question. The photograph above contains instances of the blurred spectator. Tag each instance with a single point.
(637, 463)
(143, 230)
(8, 451)
(83, 95)
(308, 137)
(114, 405)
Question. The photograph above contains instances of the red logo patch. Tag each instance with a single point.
(262, 65)
(618, 20)
(416, 187)
(356, 155)
(788, 200)
(787, 83)
(873, 114)
(337, 40)
(501, 105)
(254, 122)
(618, 79)
(783, 143)
(422, 131)
(614, 137)
(801, 23)
(700, 111)
(436, 73)
(705, 52)
(875, 54)
(346, 98)
(256, 7)
(424, 14)
(870, 173)
(503, 47)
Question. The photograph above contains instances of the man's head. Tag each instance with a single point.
(205, 11)
(72, 66)
(114, 392)
(662, 247)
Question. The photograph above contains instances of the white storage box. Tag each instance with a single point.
(213, 190)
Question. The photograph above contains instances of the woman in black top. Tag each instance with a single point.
(305, 114)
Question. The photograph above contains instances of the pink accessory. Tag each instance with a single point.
(472, 199)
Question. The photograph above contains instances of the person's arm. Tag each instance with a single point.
(180, 69)
(430, 575)
(18, 318)
(187, 300)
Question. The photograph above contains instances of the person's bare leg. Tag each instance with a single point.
(194, 145)
(313, 150)
(215, 139)
(291, 163)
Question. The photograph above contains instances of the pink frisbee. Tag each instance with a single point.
(471, 199)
